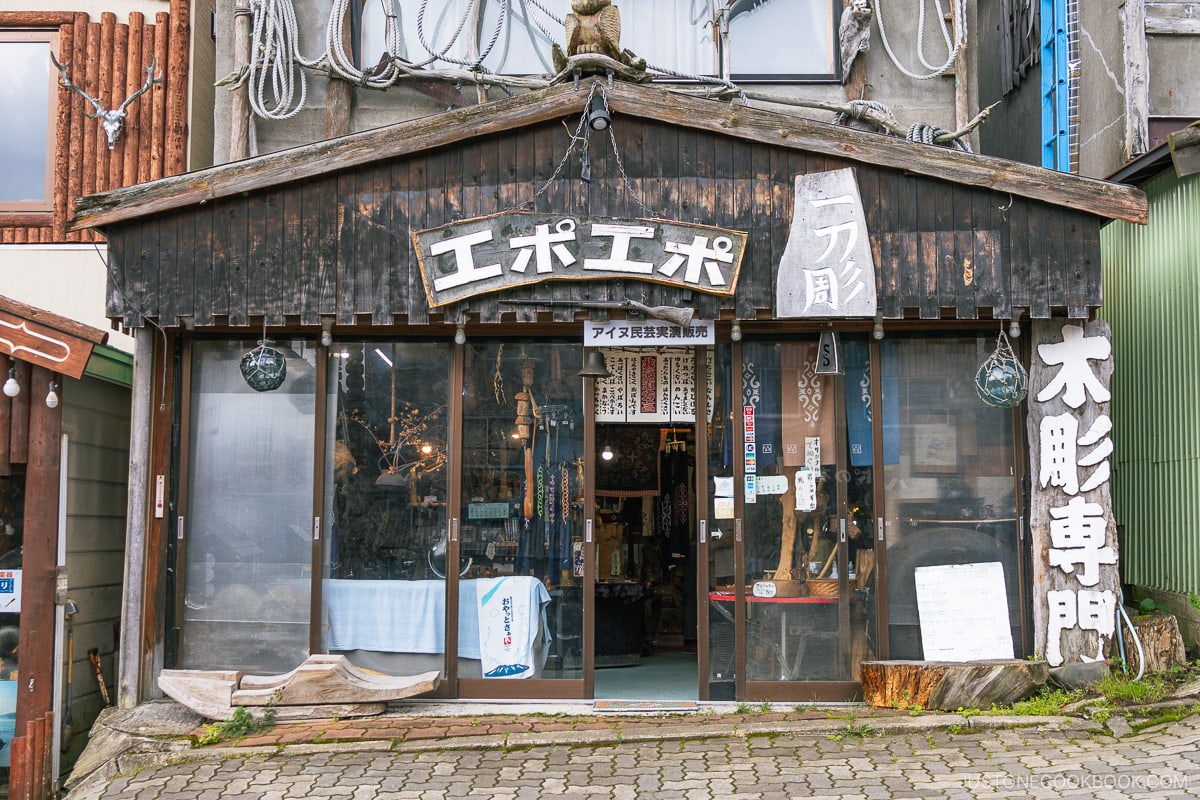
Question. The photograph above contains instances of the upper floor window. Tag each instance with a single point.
(27, 90)
(747, 40)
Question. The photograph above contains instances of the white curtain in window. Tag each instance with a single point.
(671, 34)
(782, 38)
(776, 38)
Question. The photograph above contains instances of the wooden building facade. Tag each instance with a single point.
(801, 457)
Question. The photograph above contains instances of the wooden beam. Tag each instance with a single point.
(1185, 150)
(1102, 198)
(1137, 84)
(1172, 19)
(35, 19)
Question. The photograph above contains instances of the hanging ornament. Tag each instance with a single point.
(264, 367)
(1001, 380)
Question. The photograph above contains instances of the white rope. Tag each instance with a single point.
(273, 47)
(953, 44)
(342, 63)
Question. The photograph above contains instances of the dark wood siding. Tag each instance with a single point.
(339, 245)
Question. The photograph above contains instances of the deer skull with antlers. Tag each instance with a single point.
(112, 120)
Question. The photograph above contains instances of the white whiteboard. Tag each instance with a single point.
(963, 610)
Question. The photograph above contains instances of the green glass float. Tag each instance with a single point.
(264, 367)
(1002, 381)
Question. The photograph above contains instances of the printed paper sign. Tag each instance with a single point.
(812, 452)
(806, 490)
(723, 507)
(963, 610)
(772, 484)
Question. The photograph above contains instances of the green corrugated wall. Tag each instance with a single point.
(1152, 302)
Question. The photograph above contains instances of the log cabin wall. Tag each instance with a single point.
(339, 245)
(108, 59)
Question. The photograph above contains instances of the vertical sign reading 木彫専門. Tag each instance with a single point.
(1073, 535)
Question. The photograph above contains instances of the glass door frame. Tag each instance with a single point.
(802, 690)
(499, 688)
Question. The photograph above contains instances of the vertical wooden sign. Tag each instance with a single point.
(1075, 572)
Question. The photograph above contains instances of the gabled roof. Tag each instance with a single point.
(1111, 200)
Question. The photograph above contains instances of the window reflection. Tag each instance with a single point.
(26, 85)
(248, 542)
(952, 495)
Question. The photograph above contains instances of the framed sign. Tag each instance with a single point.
(517, 248)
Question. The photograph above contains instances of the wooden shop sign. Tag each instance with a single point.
(59, 344)
(516, 248)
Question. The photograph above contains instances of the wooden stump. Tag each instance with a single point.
(950, 685)
(1161, 641)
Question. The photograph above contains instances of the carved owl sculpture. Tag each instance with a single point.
(594, 26)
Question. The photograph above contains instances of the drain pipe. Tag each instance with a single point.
(1121, 614)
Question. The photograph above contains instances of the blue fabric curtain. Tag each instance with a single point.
(858, 402)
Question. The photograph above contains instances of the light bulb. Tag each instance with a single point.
(11, 387)
(1014, 329)
(735, 333)
(607, 453)
(877, 331)
(326, 338)
(460, 335)
(52, 396)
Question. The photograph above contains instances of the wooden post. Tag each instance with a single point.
(175, 74)
(135, 73)
(239, 138)
(1137, 83)
(104, 94)
(116, 156)
(18, 446)
(145, 110)
(40, 556)
(339, 95)
(79, 29)
(162, 31)
(62, 137)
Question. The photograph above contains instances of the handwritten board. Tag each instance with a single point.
(963, 610)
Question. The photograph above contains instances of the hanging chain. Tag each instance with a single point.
(581, 135)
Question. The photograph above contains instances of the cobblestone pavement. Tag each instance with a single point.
(699, 757)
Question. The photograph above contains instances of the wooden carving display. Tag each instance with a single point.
(594, 27)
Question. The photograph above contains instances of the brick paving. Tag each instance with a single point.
(837, 754)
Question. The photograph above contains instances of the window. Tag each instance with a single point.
(763, 40)
(27, 82)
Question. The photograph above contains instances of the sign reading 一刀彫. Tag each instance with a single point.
(827, 269)
(516, 248)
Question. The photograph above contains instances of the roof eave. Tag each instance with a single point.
(1102, 198)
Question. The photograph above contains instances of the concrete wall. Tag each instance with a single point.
(929, 101)
(1174, 67)
(1101, 89)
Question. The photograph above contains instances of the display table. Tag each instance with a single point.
(382, 616)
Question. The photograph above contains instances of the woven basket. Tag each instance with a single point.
(823, 587)
(790, 588)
